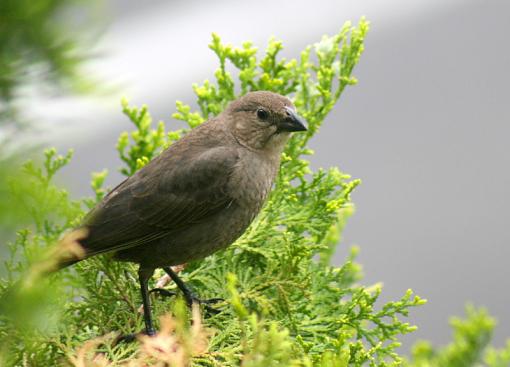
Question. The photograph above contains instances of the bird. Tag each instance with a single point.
(198, 196)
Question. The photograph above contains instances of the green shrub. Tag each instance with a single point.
(41, 46)
(286, 304)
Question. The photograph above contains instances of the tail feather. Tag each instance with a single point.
(68, 251)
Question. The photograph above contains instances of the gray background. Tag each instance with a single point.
(426, 129)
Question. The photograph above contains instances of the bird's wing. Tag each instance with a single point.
(171, 193)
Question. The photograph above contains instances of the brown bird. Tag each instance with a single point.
(197, 196)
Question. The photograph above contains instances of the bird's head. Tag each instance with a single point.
(263, 120)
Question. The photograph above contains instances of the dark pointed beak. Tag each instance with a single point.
(293, 122)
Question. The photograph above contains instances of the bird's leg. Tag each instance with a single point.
(144, 276)
(189, 295)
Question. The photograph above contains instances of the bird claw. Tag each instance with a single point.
(192, 298)
(163, 292)
(211, 311)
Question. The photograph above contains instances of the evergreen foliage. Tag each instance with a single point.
(286, 304)
(470, 345)
(41, 49)
(38, 46)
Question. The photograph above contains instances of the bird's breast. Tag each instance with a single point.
(251, 182)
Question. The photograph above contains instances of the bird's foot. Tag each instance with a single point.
(193, 298)
(190, 296)
(163, 292)
(129, 338)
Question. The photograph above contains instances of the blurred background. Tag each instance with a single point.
(427, 128)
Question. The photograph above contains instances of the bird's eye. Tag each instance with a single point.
(262, 114)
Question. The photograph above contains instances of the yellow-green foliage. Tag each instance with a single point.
(471, 337)
(286, 304)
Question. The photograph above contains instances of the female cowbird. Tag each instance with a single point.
(197, 196)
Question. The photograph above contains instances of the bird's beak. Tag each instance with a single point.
(293, 122)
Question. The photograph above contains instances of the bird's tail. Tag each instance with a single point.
(67, 252)
(22, 297)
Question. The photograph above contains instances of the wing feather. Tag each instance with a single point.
(172, 192)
